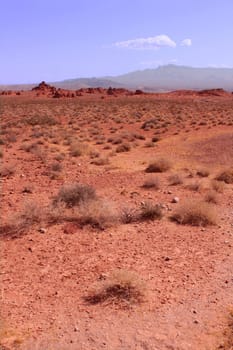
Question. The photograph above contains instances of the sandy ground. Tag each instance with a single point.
(48, 269)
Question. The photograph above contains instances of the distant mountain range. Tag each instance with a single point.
(163, 78)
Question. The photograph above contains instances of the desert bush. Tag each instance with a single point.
(7, 170)
(100, 161)
(194, 186)
(152, 182)
(41, 120)
(149, 144)
(158, 166)
(59, 157)
(121, 287)
(98, 213)
(211, 197)
(218, 186)
(128, 215)
(29, 147)
(31, 213)
(195, 213)
(175, 179)
(225, 176)
(75, 194)
(150, 211)
(77, 149)
(155, 139)
(203, 172)
(124, 147)
(55, 167)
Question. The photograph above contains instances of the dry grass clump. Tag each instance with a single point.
(175, 179)
(7, 170)
(41, 120)
(150, 211)
(152, 182)
(226, 341)
(203, 172)
(195, 213)
(99, 214)
(226, 176)
(194, 186)
(121, 287)
(128, 215)
(124, 147)
(100, 161)
(77, 149)
(75, 194)
(211, 197)
(218, 186)
(159, 166)
(31, 213)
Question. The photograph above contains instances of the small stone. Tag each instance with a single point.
(42, 230)
(169, 192)
(175, 200)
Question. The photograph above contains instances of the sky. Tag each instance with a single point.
(54, 40)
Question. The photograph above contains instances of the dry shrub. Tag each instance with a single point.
(128, 215)
(152, 182)
(77, 149)
(7, 170)
(121, 287)
(175, 179)
(218, 186)
(150, 211)
(100, 161)
(194, 186)
(124, 147)
(226, 176)
(203, 172)
(31, 213)
(149, 144)
(55, 167)
(226, 340)
(155, 139)
(211, 197)
(99, 214)
(75, 194)
(41, 120)
(195, 213)
(159, 166)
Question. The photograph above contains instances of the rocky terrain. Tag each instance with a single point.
(116, 219)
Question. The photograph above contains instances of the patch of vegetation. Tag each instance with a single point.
(158, 166)
(151, 211)
(75, 194)
(226, 176)
(121, 287)
(195, 213)
(175, 179)
(152, 182)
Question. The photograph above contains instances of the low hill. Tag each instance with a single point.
(163, 78)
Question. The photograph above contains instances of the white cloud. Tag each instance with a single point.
(151, 43)
(186, 42)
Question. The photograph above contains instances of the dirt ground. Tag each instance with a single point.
(49, 266)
